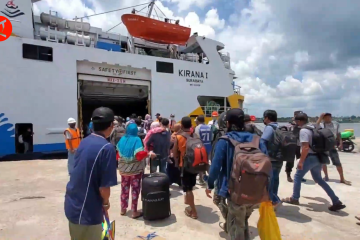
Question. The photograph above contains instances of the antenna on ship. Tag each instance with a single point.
(151, 5)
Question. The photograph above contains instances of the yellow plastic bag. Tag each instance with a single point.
(268, 226)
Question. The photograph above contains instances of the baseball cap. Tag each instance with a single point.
(215, 114)
(102, 114)
(158, 114)
(297, 112)
(235, 115)
(301, 117)
(71, 120)
(327, 114)
(252, 118)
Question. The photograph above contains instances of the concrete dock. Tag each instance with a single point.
(32, 207)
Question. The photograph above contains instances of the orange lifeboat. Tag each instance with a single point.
(154, 30)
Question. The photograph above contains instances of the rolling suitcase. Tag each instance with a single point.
(155, 196)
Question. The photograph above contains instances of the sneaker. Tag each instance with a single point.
(336, 207)
(277, 205)
(289, 179)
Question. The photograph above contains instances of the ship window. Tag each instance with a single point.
(164, 67)
(210, 104)
(37, 52)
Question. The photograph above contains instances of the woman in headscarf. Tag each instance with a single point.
(131, 168)
(147, 122)
(172, 171)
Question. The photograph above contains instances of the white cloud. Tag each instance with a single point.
(274, 69)
(186, 4)
(212, 19)
(353, 72)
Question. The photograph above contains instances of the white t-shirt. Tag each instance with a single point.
(306, 136)
(333, 126)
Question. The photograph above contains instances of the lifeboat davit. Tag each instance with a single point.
(154, 30)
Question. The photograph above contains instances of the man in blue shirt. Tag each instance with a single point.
(220, 170)
(204, 132)
(88, 191)
(270, 120)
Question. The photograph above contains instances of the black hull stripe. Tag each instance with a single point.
(16, 11)
(12, 16)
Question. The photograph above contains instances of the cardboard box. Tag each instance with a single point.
(149, 236)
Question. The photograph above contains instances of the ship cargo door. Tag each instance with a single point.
(123, 96)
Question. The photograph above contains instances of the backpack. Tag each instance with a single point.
(251, 128)
(323, 140)
(283, 145)
(195, 158)
(250, 173)
(141, 133)
(116, 135)
(216, 138)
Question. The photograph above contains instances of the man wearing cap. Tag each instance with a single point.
(72, 142)
(131, 120)
(296, 130)
(88, 191)
(310, 161)
(157, 116)
(172, 121)
(214, 120)
(236, 224)
(325, 121)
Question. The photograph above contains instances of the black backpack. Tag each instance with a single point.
(218, 134)
(117, 133)
(251, 128)
(323, 140)
(141, 133)
(283, 145)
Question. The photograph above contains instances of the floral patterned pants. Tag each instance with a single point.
(135, 182)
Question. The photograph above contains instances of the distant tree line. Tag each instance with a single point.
(343, 119)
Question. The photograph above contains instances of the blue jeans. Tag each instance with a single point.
(71, 161)
(313, 165)
(275, 182)
(155, 163)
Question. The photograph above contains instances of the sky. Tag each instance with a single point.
(287, 55)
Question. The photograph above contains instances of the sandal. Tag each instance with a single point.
(138, 216)
(222, 225)
(290, 200)
(189, 213)
(123, 212)
(357, 217)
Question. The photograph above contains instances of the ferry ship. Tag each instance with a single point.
(52, 69)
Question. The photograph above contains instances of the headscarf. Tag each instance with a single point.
(154, 128)
(130, 144)
(177, 127)
(177, 130)
(154, 125)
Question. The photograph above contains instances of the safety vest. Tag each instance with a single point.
(75, 138)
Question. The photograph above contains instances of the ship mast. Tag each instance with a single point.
(151, 5)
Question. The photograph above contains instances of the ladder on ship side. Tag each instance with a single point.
(52, 27)
(79, 31)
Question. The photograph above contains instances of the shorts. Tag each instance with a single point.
(85, 232)
(188, 181)
(334, 157)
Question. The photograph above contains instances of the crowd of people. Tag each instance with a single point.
(212, 152)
